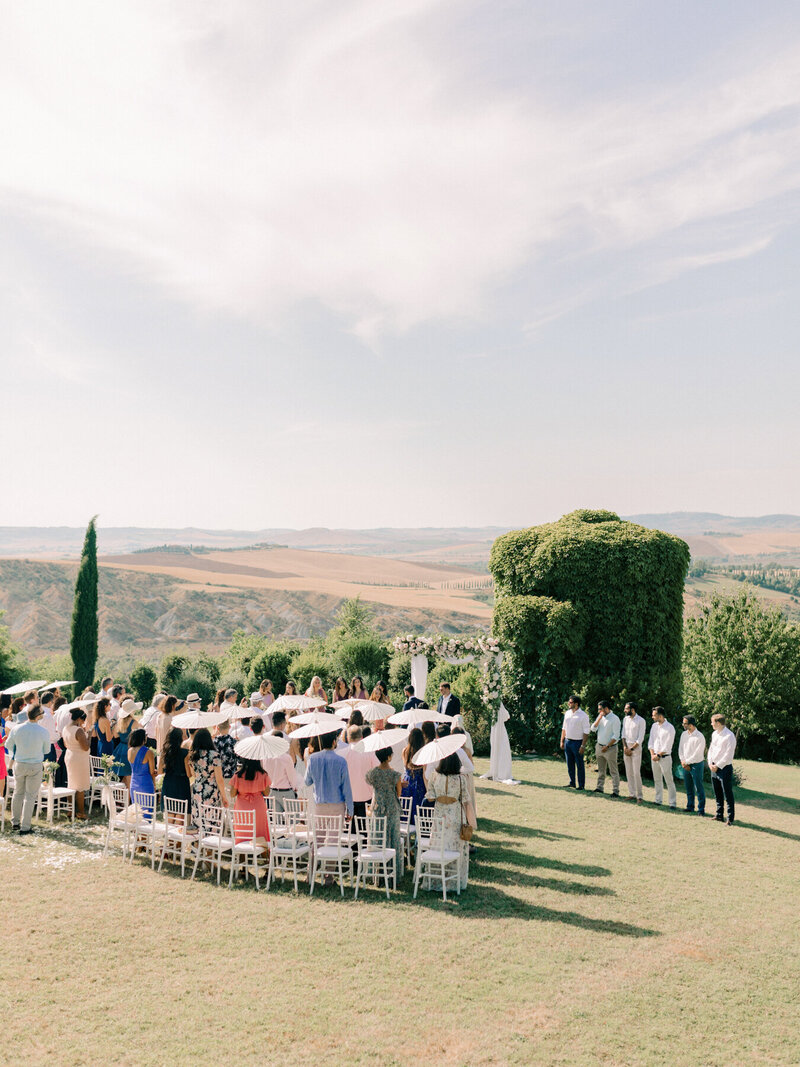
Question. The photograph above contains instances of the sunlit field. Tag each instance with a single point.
(593, 931)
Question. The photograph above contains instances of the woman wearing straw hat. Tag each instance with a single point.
(123, 728)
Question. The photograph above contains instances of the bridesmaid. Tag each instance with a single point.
(316, 690)
(77, 759)
(340, 690)
(357, 690)
(143, 766)
(102, 728)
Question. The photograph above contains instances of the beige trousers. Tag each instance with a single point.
(608, 763)
(633, 772)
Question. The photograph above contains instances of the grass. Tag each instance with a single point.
(593, 932)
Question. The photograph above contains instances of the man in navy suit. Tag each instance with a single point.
(412, 701)
(448, 703)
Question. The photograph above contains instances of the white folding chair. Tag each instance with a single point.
(214, 841)
(434, 859)
(96, 782)
(331, 851)
(118, 821)
(287, 848)
(178, 836)
(59, 800)
(298, 807)
(405, 826)
(247, 851)
(146, 828)
(373, 855)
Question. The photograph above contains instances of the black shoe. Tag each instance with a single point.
(473, 849)
(22, 833)
(598, 790)
(729, 822)
(570, 785)
(15, 828)
(615, 796)
(702, 814)
(718, 818)
(582, 787)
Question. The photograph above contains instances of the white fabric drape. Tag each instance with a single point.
(500, 753)
(419, 675)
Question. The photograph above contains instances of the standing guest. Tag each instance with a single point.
(5, 704)
(102, 728)
(720, 760)
(267, 696)
(356, 718)
(692, 754)
(306, 749)
(219, 700)
(279, 724)
(448, 703)
(386, 802)
(49, 722)
(117, 696)
(316, 690)
(164, 721)
(327, 772)
(105, 688)
(143, 767)
(193, 702)
(224, 744)
(412, 783)
(662, 738)
(123, 728)
(62, 713)
(31, 701)
(381, 696)
(340, 690)
(173, 763)
(411, 701)
(77, 759)
(574, 735)
(150, 718)
(208, 785)
(242, 728)
(633, 731)
(357, 689)
(249, 788)
(359, 764)
(291, 689)
(607, 727)
(229, 705)
(282, 774)
(28, 745)
(15, 714)
(447, 790)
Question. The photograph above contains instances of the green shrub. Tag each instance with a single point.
(465, 683)
(143, 682)
(312, 660)
(272, 662)
(192, 682)
(365, 655)
(170, 670)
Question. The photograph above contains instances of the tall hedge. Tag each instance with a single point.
(589, 603)
(83, 636)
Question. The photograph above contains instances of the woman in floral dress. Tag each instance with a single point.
(447, 787)
(208, 786)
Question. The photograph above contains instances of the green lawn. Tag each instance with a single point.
(593, 932)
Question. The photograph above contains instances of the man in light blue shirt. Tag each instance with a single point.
(607, 727)
(328, 773)
(28, 744)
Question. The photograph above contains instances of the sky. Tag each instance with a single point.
(408, 263)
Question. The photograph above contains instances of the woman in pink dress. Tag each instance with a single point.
(357, 690)
(249, 787)
(267, 696)
(77, 759)
(316, 690)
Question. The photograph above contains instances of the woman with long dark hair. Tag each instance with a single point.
(102, 728)
(208, 785)
(448, 790)
(77, 761)
(249, 787)
(412, 784)
(173, 763)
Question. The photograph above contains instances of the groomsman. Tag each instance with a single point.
(662, 738)
(692, 754)
(633, 731)
(574, 735)
(720, 760)
(448, 703)
(607, 728)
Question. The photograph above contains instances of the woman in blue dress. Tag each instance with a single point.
(102, 728)
(123, 728)
(143, 767)
(413, 780)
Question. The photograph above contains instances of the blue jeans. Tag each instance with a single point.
(693, 780)
(574, 758)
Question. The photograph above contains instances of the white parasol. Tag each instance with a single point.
(195, 720)
(380, 739)
(261, 747)
(313, 716)
(22, 687)
(58, 685)
(243, 713)
(327, 724)
(295, 702)
(348, 704)
(439, 749)
(373, 710)
(78, 704)
(407, 718)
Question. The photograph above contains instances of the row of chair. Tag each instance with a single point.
(300, 842)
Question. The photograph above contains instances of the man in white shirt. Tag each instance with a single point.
(720, 760)
(150, 718)
(633, 731)
(117, 696)
(358, 763)
(607, 727)
(574, 735)
(48, 721)
(105, 688)
(662, 738)
(692, 754)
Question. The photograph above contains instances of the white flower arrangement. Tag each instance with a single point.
(458, 648)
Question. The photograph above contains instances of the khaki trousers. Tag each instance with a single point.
(633, 772)
(662, 772)
(608, 763)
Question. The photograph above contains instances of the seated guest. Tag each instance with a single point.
(77, 759)
(358, 766)
(224, 744)
(173, 763)
(249, 787)
(143, 765)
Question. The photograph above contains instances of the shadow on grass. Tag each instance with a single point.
(513, 857)
(767, 830)
(504, 876)
(491, 826)
(768, 801)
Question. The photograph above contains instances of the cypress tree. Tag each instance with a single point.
(83, 640)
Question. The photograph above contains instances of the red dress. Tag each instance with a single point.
(249, 798)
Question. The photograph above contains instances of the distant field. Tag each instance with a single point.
(697, 588)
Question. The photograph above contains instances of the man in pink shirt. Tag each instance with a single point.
(358, 763)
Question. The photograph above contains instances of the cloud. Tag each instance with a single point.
(251, 156)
